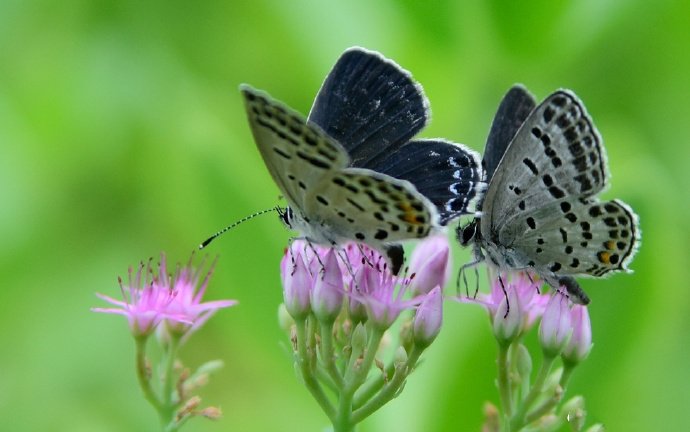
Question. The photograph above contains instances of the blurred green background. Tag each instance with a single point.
(122, 134)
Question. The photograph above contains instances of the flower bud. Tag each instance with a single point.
(492, 417)
(507, 327)
(356, 309)
(581, 341)
(400, 356)
(428, 319)
(430, 264)
(327, 295)
(523, 362)
(211, 413)
(574, 412)
(359, 338)
(297, 283)
(576, 403)
(406, 336)
(546, 422)
(555, 328)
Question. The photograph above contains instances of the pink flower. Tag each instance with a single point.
(381, 293)
(328, 292)
(508, 317)
(556, 327)
(151, 299)
(429, 317)
(527, 301)
(430, 264)
(580, 343)
(297, 281)
(187, 293)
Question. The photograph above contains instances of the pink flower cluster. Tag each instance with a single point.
(151, 298)
(565, 328)
(318, 280)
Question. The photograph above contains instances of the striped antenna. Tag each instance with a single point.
(231, 226)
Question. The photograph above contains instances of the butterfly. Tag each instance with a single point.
(545, 166)
(350, 172)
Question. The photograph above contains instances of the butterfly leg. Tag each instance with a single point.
(478, 259)
(505, 294)
(310, 245)
(292, 257)
(365, 258)
(529, 276)
(348, 265)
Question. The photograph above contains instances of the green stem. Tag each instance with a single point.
(568, 368)
(542, 409)
(390, 390)
(504, 390)
(518, 420)
(170, 402)
(354, 378)
(326, 380)
(362, 370)
(551, 402)
(328, 355)
(369, 388)
(142, 373)
(309, 379)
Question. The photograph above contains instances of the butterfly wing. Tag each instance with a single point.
(298, 155)
(602, 239)
(373, 107)
(363, 205)
(446, 173)
(512, 112)
(370, 105)
(556, 153)
(540, 204)
(333, 203)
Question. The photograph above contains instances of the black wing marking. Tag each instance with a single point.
(370, 105)
(514, 109)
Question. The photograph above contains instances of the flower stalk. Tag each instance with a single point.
(339, 348)
(564, 331)
(172, 308)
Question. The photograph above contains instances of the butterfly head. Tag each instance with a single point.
(286, 216)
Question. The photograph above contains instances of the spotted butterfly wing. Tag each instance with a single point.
(541, 210)
(512, 112)
(330, 202)
(372, 107)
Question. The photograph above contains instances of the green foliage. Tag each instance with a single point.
(122, 134)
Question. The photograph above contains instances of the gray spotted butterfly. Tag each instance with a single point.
(545, 167)
(351, 171)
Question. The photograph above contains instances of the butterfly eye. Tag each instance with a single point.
(286, 216)
(467, 233)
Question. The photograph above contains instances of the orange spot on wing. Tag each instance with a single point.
(604, 257)
(409, 214)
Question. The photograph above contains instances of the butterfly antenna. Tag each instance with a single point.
(233, 225)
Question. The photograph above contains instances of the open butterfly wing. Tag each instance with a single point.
(446, 173)
(370, 105)
(514, 109)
